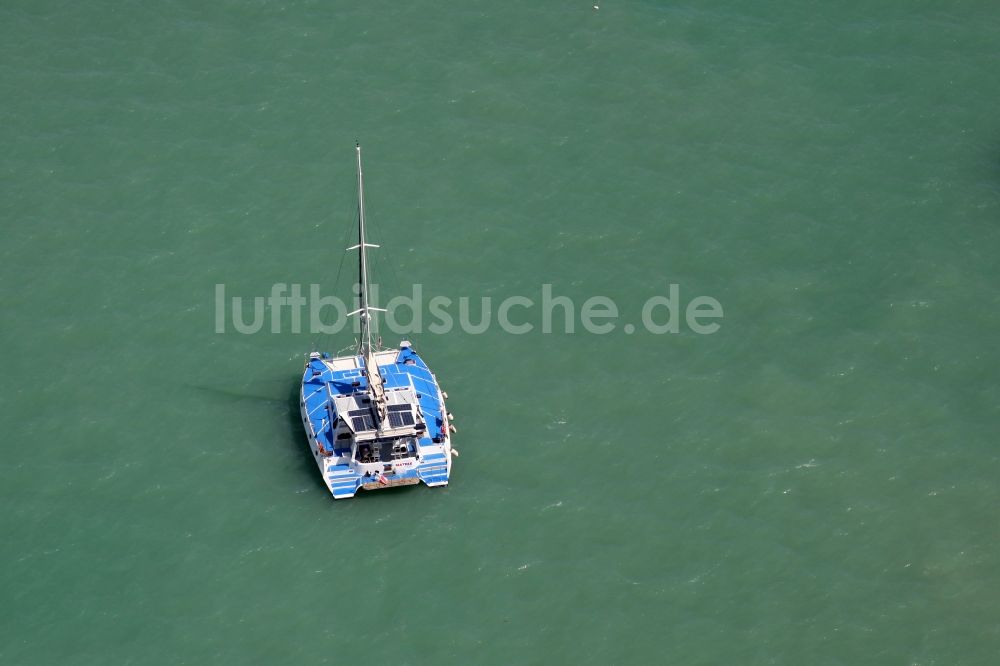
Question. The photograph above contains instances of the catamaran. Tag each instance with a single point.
(376, 418)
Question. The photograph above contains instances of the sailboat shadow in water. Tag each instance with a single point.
(304, 466)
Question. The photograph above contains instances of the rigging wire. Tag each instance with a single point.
(379, 262)
(382, 259)
(336, 281)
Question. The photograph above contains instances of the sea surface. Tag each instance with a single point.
(815, 483)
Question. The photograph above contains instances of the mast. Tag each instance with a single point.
(376, 390)
(365, 340)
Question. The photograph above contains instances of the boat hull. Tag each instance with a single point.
(342, 473)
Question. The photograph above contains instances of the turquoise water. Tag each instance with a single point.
(815, 483)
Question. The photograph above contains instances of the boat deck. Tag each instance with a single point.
(325, 378)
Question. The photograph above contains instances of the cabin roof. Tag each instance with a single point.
(332, 385)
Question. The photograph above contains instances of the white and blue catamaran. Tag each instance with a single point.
(377, 418)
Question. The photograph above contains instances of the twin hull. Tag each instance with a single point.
(351, 461)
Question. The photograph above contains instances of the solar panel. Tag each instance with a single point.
(400, 419)
(400, 415)
(362, 419)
